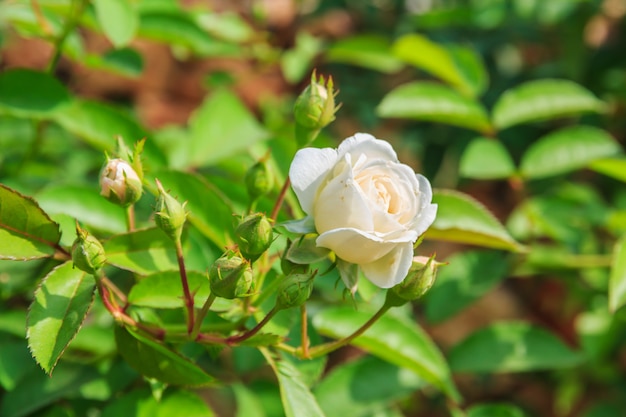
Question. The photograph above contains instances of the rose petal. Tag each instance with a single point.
(307, 171)
(368, 145)
(358, 247)
(392, 268)
(427, 211)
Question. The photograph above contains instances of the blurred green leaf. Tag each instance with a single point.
(164, 290)
(460, 218)
(494, 410)
(124, 61)
(30, 93)
(57, 313)
(437, 60)
(248, 403)
(612, 167)
(222, 127)
(398, 341)
(297, 399)
(144, 251)
(118, 19)
(173, 404)
(26, 231)
(296, 62)
(470, 65)
(349, 391)
(486, 158)
(15, 362)
(367, 51)
(85, 204)
(155, 360)
(567, 150)
(465, 278)
(543, 100)
(433, 102)
(226, 25)
(617, 281)
(512, 347)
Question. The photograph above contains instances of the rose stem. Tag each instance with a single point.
(245, 336)
(130, 217)
(280, 199)
(304, 335)
(201, 314)
(321, 350)
(188, 298)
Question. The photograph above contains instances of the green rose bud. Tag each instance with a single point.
(87, 252)
(120, 183)
(254, 235)
(294, 290)
(314, 109)
(231, 277)
(420, 278)
(259, 180)
(169, 215)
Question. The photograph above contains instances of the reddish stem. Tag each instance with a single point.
(280, 199)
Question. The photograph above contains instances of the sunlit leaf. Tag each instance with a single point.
(543, 100)
(26, 231)
(177, 403)
(464, 279)
(30, 93)
(164, 290)
(118, 19)
(296, 62)
(57, 313)
(367, 51)
(512, 347)
(617, 281)
(397, 341)
(567, 150)
(155, 360)
(436, 103)
(612, 167)
(460, 218)
(144, 251)
(486, 159)
(495, 410)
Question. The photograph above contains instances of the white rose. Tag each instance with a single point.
(366, 206)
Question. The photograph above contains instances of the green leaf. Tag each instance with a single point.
(164, 290)
(612, 167)
(494, 410)
(26, 231)
(471, 66)
(248, 401)
(617, 280)
(297, 399)
(543, 100)
(125, 61)
(222, 127)
(567, 150)
(395, 340)
(462, 219)
(436, 103)
(118, 19)
(295, 63)
(209, 210)
(144, 251)
(466, 277)
(85, 204)
(486, 159)
(57, 313)
(366, 51)
(155, 360)
(512, 347)
(29, 93)
(143, 404)
(15, 363)
(435, 59)
(348, 390)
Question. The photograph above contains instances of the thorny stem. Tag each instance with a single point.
(233, 340)
(187, 296)
(280, 199)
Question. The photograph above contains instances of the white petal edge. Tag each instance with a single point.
(368, 145)
(307, 171)
(392, 268)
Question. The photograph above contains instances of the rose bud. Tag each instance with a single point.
(169, 215)
(420, 278)
(231, 277)
(254, 235)
(314, 109)
(259, 180)
(294, 290)
(87, 252)
(120, 183)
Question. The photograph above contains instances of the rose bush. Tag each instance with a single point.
(366, 206)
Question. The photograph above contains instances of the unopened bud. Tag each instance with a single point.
(314, 109)
(420, 278)
(254, 235)
(120, 183)
(259, 180)
(294, 290)
(169, 215)
(231, 277)
(87, 252)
